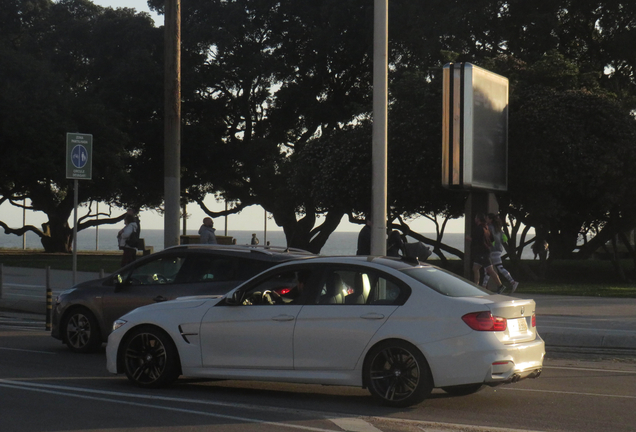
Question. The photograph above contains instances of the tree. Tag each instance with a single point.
(262, 78)
(72, 66)
(571, 149)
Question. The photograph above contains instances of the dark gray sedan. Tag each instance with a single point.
(83, 315)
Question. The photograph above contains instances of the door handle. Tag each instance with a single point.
(283, 318)
(372, 316)
(159, 298)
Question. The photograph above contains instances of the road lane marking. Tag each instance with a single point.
(568, 393)
(590, 369)
(352, 424)
(338, 417)
(39, 389)
(26, 350)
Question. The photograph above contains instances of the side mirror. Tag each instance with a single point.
(118, 282)
(234, 299)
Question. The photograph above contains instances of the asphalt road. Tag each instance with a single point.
(44, 387)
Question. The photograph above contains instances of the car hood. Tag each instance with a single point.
(178, 303)
(90, 284)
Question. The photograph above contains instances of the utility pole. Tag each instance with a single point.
(380, 85)
(172, 122)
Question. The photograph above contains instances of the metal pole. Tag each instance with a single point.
(49, 298)
(1, 278)
(97, 230)
(172, 122)
(265, 229)
(226, 219)
(185, 227)
(380, 84)
(75, 202)
(24, 223)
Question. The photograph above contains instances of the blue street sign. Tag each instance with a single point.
(79, 156)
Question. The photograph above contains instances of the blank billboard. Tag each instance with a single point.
(475, 128)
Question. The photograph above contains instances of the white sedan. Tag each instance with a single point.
(399, 328)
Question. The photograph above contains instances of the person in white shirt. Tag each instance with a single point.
(207, 232)
(124, 237)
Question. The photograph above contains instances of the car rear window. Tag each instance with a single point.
(446, 283)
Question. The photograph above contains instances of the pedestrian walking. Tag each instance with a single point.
(255, 240)
(498, 239)
(207, 232)
(127, 239)
(480, 245)
(540, 248)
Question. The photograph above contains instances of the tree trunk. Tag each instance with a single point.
(58, 236)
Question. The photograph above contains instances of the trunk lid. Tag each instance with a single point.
(519, 315)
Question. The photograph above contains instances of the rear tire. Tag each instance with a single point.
(463, 390)
(150, 357)
(80, 331)
(397, 374)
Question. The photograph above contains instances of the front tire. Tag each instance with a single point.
(397, 374)
(150, 358)
(81, 331)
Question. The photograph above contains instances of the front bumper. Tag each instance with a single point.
(56, 315)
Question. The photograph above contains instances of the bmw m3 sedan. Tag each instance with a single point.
(397, 327)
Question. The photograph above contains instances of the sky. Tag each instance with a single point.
(251, 219)
(139, 5)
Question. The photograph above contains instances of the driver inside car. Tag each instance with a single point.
(293, 295)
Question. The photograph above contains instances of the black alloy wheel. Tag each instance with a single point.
(150, 358)
(397, 374)
(81, 331)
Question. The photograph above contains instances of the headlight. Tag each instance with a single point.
(118, 323)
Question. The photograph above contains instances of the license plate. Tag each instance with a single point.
(517, 326)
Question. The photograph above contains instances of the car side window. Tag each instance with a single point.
(289, 287)
(358, 287)
(251, 267)
(387, 292)
(163, 270)
(207, 268)
(336, 286)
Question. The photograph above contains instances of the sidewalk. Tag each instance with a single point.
(586, 322)
(24, 289)
(562, 321)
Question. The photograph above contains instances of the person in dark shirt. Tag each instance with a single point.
(480, 244)
(364, 239)
(394, 244)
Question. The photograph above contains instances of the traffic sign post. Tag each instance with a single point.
(79, 166)
(79, 156)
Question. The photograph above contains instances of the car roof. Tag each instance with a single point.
(394, 263)
(265, 253)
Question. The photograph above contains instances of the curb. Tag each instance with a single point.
(619, 340)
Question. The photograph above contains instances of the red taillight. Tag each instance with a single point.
(534, 320)
(484, 321)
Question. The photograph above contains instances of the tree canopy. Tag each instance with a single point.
(277, 109)
(72, 66)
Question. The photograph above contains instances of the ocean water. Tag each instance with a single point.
(339, 243)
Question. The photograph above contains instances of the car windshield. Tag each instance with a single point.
(446, 283)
